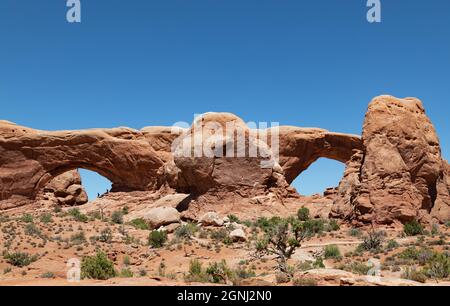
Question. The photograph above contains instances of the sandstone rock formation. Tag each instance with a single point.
(394, 173)
(29, 159)
(65, 190)
(400, 174)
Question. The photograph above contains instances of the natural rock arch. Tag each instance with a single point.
(300, 147)
(30, 158)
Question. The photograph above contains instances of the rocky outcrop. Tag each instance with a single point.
(400, 174)
(65, 190)
(394, 173)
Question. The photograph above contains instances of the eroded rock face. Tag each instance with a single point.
(400, 174)
(65, 190)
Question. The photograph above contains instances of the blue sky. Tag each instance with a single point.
(142, 62)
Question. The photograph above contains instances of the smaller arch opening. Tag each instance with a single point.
(94, 184)
(322, 174)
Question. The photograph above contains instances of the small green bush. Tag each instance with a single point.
(126, 272)
(186, 231)
(77, 215)
(304, 282)
(97, 267)
(314, 226)
(218, 272)
(78, 238)
(303, 214)
(46, 218)
(27, 218)
(48, 275)
(332, 251)
(139, 224)
(105, 235)
(415, 275)
(157, 239)
(20, 259)
(355, 232)
(233, 218)
(32, 230)
(392, 244)
(332, 226)
(117, 217)
(438, 267)
(413, 228)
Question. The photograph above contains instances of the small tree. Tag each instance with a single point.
(282, 238)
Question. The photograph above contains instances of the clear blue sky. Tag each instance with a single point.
(142, 62)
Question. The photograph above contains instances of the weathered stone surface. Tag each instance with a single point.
(400, 174)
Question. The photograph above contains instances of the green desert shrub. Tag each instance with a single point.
(303, 214)
(97, 267)
(372, 242)
(126, 272)
(27, 218)
(156, 239)
(332, 226)
(413, 228)
(20, 259)
(304, 282)
(117, 217)
(139, 224)
(46, 218)
(332, 251)
(313, 226)
(218, 272)
(438, 267)
(355, 232)
(415, 275)
(186, 231)
(77, 215)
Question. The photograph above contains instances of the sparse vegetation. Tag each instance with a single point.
(156, 239)
(139, 224)
(304, 282)
(20, 259)
(77, 215)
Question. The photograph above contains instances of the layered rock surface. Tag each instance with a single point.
(400, 174)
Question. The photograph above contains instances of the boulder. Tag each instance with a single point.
(159, 216)
(211, 218)
(238, 235)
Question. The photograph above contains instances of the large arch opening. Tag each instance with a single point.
(322, 174)
(74, 187)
